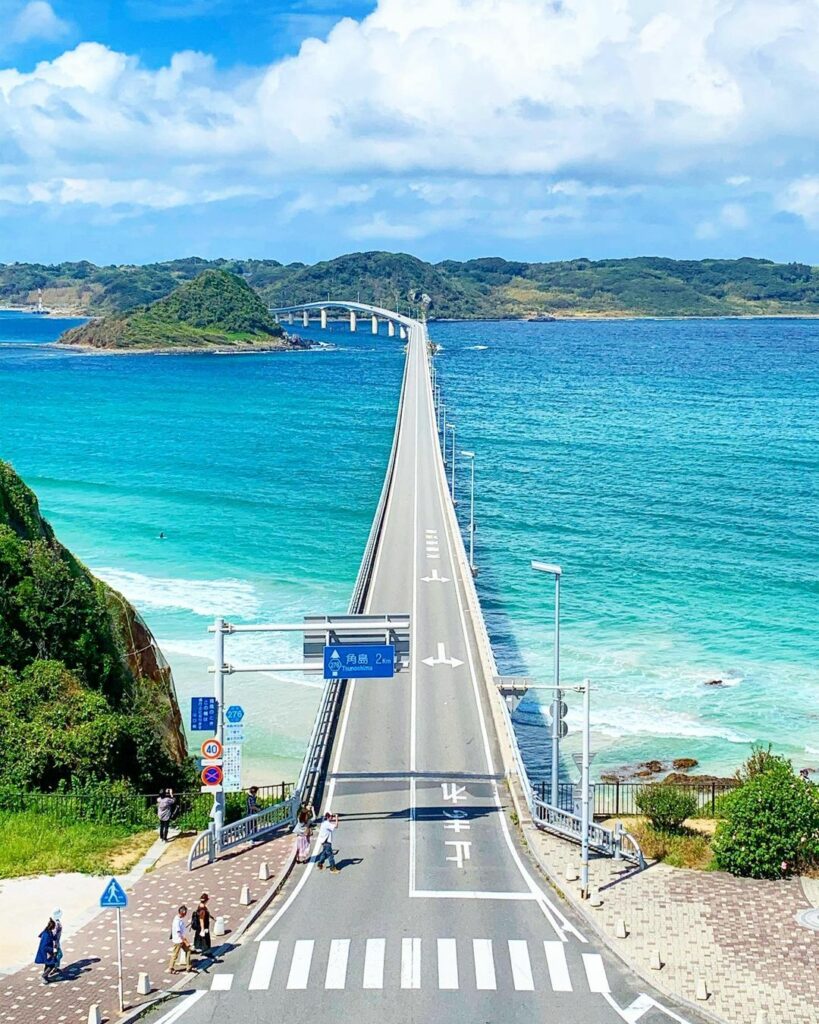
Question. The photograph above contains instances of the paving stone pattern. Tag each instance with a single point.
(89, 960)
(738, 934)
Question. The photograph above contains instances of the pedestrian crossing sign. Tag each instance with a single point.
(114, 896)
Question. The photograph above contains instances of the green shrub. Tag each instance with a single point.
(771, 824)
(666, 807)
(762, 759)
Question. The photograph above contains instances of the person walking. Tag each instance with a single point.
(164, 810)
(303, 832)
(325, 840)
(57, 918)
(179, 938)
(46, 951)
(200, 925)
(252, 807)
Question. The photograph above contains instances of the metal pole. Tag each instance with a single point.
(219, 694)
(584, 784)
(558, 696)
(443, 429)
(472, 516)
(119, 960)
(452, 487)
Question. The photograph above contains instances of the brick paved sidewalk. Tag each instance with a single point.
(737, 934)
(89, 961)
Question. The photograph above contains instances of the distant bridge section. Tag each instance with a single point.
(355, 310)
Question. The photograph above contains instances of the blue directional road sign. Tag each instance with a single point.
(203, 714)
(359, 661)
(114, 896)
(235, 713)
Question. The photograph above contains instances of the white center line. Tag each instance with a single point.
(521, 966)
(558, 968)
(595, 972)
(410, 963)
(484, 965)
(336, 976)
(374, 963)
(263, 968)
(447, 964)
(300, 964)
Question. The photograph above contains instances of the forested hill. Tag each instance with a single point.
(493, 287)
(85, 694)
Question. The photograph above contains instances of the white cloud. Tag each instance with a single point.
(37, 20)
(735, 216)
(801, 197)
(737, 180)
(596, 97)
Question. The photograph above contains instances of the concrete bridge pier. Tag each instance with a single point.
(324, 319)
(352, 320)
(402, 332)
(375, 324)
(391, 328)
(290, 318)
(305, 318)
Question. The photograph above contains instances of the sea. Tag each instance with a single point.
(671, 468)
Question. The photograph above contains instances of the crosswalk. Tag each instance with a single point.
(447, 964)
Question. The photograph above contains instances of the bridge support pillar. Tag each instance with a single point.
(324, 319)
(391, 328)
(352, 320)
(402, 331)
(290, 318)
(375, 324)
(305, 318)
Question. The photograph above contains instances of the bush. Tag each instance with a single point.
(666, 807)
(770, 821)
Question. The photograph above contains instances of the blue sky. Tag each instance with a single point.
(301, 129)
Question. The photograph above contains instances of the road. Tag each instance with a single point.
(436, 914)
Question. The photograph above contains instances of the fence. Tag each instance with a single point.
(612, 799)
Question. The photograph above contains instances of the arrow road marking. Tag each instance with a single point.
(435, 578)
(442, 659)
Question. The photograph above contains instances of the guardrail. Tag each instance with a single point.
(612, 799)
(211, 843)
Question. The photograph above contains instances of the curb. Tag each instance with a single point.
(259, 907)
(651, 979)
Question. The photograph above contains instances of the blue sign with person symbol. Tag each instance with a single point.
(359, 661)
(114, 896)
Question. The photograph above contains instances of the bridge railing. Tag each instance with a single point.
(213, 842)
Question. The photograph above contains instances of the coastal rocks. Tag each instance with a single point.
(648, 770)
(714, 682)
(682, 764)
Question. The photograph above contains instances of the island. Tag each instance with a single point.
(216, 310)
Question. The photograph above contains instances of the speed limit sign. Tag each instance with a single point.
(212, 749)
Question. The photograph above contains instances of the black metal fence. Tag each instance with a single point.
(612, 799)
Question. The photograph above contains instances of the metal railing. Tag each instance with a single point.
(209, 844)
(612, 799)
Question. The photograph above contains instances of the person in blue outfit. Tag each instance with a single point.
(47, 951)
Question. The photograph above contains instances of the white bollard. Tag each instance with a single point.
(620, 930)
(656, 963)
(143, 984)
(264, 872)
(571, 873)
(702, 989)
(219, 926)
(596, 899)
(94, 1016)
(244, 896)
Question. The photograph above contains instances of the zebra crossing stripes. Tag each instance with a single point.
(374, 963)
(447, 963)
(300, 964)
(595, 972)
(521, 966)
(336, 976)
(558, 968)
(263, 968)
(410, 963)
(485, 980)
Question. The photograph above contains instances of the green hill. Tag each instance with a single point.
(214, 310)
(85, 694)
(490, 287)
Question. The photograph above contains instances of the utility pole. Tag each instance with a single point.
(584, 799)
(557, 700)
(219, 694)
(471, 457)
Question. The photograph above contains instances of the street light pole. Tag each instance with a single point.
(451, 426)
(219, 694)
(557, 720)
(471, 457)
(584, 799)
(442, 429)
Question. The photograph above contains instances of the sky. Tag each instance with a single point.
(142, 130)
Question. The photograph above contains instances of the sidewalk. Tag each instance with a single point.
(89, 963)
(739, 935)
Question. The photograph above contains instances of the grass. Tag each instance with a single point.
(36, 844)
(690, 849)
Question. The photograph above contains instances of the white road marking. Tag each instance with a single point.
(300, 964)
(641, 1005)
(447, 964)
(595, 972)
(521, 965)
(453, 792)
(461, 851)
(221, 983)
(410, 963)
(336, 976)
(472, 894)
(183, 1007)
(374, 963)
(484, 965)
(263, 968)
(442, 659)
(558, 968)
(435, 578)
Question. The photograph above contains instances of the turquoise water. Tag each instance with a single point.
(670, 467)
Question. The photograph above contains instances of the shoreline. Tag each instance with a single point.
(92, 350)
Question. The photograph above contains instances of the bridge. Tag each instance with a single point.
(438, 913)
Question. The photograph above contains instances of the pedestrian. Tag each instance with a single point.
(57, 918)
(179, 938)
(200, 925)
(303, 832)
(325, 841)
(252, 807)
(46, 951)
(165, 803)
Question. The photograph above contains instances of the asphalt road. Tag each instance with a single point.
(435, 914)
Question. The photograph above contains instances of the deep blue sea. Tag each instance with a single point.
(670, 467)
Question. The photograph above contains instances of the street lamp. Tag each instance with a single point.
(557, 718)
(442, 410)
(471, 457)
(451, 426)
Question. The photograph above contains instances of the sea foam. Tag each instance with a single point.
(208, 598)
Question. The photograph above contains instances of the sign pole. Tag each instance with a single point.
(219, 694)
(119, 959)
